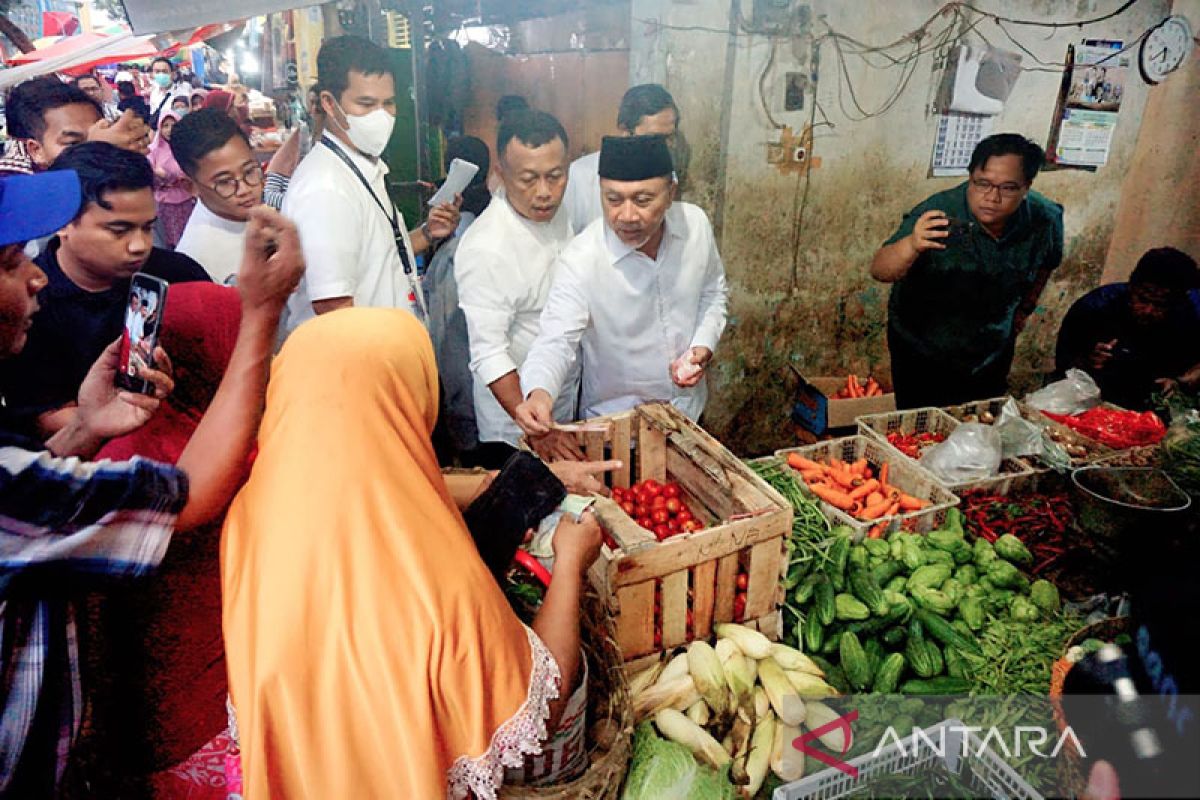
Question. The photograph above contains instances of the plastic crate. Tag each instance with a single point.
(977, 407)
(961, 753)
(1015, 473)
(903, 473)
(1067, 436)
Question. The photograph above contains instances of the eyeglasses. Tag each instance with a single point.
(228, 187)
(1007, 190)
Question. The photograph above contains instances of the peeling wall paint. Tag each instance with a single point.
(801, 294)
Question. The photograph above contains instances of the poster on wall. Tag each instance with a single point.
(1095, 86)
(957, 135)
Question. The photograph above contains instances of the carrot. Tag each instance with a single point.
(910, 503)
(844, 477)
(859, 467)
(883, 473)
(865, 490)
(835, 497)
(874, 498)
(877, 531)
(872, 386)
(810, 475)
(855, 389)
(799, 462)
(876, 511)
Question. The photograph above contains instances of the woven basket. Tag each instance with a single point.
(1071, 777)
(608, 709)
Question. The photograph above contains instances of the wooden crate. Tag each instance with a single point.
(746, 525)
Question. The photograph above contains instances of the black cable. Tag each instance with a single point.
(762, 90)
(1037, 23)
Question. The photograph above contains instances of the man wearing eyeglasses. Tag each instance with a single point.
(228, 182)
(88, 267)
(968, 266)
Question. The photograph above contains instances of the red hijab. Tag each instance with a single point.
(162, 662)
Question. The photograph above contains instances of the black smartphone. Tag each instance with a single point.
(959, 230)
(522, 494)
(143, 321)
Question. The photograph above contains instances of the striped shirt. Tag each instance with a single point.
(63, 520)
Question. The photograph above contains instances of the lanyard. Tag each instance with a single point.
(416, 292)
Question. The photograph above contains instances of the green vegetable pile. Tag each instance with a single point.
(1181, 453)
(662, 768)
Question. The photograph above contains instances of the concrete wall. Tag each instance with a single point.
(797, 241)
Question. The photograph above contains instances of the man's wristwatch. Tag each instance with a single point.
(429, 237)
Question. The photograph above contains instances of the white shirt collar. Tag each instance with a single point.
(369, 168)
(618, 250)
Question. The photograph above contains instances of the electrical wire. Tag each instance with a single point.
(762, 88)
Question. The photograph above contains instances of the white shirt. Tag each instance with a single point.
(504, 267)
(582, 199)
(632, 315)
(346, 238)
(214, 242)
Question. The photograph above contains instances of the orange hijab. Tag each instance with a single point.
(370, 652)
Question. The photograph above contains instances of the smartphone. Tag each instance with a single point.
(959, 230)
(143, 321)
(524, 492)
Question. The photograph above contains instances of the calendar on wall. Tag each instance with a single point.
(957, 135)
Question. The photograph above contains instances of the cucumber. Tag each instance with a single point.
(839, 553)
(864, 587)
(893, 636)
(854, 661)
(848, 607)
(814, 633)
(886, 571)
(804, 591)
(823, 601)
(945, 633)
(888, 674)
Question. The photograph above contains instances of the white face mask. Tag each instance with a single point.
(370, 132)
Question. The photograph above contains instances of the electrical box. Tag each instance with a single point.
(772, 16)
(793, 92)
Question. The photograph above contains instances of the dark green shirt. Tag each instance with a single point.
(958, 305)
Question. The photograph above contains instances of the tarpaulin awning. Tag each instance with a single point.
(104, 48)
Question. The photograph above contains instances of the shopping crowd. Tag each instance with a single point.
(256, 576)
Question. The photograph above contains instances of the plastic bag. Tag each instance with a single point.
(972, 452)
(1075, 393)
(1018, 436)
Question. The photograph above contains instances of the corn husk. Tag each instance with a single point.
(670, 695)
(708, 675)
(758, 760)
(740, 675)
(676, 668)
(783, 696)
(678, 728)
(726, 649)
(762, 704)
(646, 678)
(727, 743)
(792, 659)
(752, 643)
(786, 761)
(820, 714)
(810, 686)
(741, 743)
(698, 713)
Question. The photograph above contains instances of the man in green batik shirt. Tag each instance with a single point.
(968, 265)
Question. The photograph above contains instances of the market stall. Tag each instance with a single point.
(896, 603)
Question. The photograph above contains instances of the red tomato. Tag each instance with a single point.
(671, 490)
(691, 525)
(684, 515)
(650, 483)
(640, 510)
(673, 505)
(658, 501)
(628, 508)
(618, 494)
(660, 516)
(645, 522)
(662, 532)
(743, 581)
(673, 524)
(641, 498)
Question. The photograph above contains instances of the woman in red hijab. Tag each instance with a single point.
(235, 104)
(158, 680)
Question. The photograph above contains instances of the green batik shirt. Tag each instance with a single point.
(958, 305)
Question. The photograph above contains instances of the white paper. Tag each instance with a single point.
(1097, 86)
(460, 175)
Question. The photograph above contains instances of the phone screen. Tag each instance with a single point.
(143, 320)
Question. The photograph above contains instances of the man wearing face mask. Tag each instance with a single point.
(356, 245)
(162, 87)
(638, 299)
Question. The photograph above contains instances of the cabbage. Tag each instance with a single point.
(665, 770)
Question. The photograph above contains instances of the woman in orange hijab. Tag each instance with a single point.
(371, 653)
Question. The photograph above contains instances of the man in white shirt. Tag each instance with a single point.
(645, 110)
(228, 182)
(639, 297)
(162, 86)
(504, 267)
(355, 242)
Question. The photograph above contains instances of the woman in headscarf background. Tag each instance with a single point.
(172, 190)
(371, 653)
